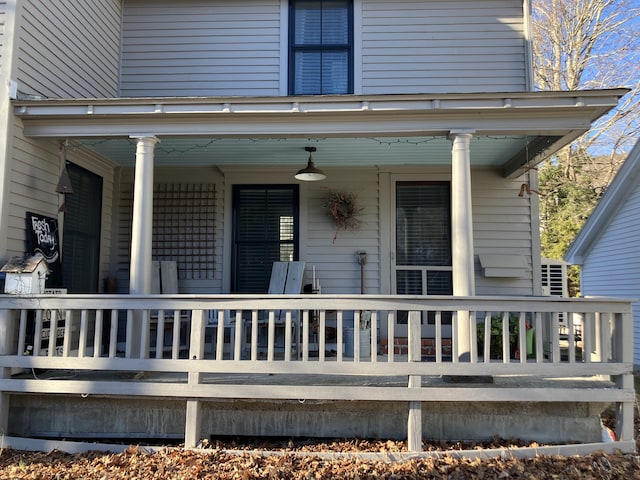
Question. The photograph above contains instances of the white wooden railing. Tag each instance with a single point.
(191, 336)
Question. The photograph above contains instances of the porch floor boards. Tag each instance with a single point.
(497, 381)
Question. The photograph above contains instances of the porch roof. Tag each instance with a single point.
(511, 130)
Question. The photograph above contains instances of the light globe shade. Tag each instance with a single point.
(310, 173)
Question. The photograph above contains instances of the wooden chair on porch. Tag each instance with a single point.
(286, 278)
(164, 280)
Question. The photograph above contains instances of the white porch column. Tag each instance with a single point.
(462, 234)
(142, 219)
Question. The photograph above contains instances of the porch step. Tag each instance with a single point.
(400, 346)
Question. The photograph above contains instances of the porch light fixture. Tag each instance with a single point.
(310, 173)
(64, 186)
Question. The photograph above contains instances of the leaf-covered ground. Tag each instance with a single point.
(175, 463)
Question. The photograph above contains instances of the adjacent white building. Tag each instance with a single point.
(607, 247)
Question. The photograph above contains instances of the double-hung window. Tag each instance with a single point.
(320, 47)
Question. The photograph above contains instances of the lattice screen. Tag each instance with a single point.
(183, 228)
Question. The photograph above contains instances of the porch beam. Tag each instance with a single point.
(462, 236)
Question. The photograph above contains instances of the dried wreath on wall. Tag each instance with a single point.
(343, 208)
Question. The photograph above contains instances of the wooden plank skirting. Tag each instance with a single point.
(189, 346)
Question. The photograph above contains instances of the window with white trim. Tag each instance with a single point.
(320, 47)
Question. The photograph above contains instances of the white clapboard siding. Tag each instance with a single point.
(201, 48)
(335, 261)
(613, 264)
(416, 46)
(65, 52)
(34, 174)
(501, 226)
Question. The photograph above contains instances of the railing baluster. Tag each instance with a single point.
(37, 334)
(571, 337)
(22, 333)
(607, 336)
(356, 336)
(68, 329)
(587, 337)
(473, 334)
(506, 350)
(82, 340)
(374, 336)
(177, 327)
(339, 335)
(288, 337)
(454, 342)
(113, 334)
(391, 337)
(144, 338)
(271, 335)
(53, 333)
(522, 336)
(539, 338)
(254, 335)
(97, 338)
(305, 335)
(439, 336)
(597, 337)
(486, 352)
(128, 350)
(555, 338)
(220, 336)
(238, 337)
(322, 335)
(160, 335)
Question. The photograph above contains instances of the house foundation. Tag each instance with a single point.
(134, 419)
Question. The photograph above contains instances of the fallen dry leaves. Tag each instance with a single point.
(179, 464)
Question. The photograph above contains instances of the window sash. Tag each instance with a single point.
(321, 53)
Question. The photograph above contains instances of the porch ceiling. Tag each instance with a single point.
(510, 130)
(331, 152)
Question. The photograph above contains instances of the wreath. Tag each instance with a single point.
(343, 208)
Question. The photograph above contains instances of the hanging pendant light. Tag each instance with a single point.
(64, 182)
(310, 173)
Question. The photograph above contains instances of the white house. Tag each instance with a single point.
(607, 247)
(181, 125)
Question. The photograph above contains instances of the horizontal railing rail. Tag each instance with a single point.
(199, 338)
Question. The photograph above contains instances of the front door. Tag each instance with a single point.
(422, 261)
(81, 237)
(265, 230)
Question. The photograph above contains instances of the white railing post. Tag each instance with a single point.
(8, 320)
(623, 331)
(194, 406)
(414, 423)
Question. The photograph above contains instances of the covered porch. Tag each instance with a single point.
(210, 365)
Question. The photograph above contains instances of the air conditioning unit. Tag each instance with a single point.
(554, 280)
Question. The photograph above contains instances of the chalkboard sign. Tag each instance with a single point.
(42, 238)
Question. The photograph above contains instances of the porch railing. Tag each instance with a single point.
(330, 335)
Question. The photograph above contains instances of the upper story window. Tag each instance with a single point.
(320, 47)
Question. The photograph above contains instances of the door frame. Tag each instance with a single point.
(394, 179)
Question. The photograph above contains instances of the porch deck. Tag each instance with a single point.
(222, 360)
